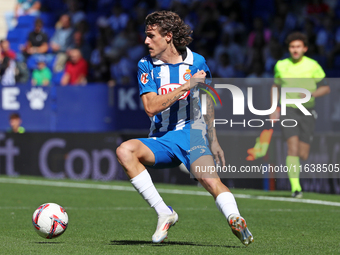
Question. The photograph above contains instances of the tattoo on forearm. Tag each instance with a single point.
(209, 119)
(171, 101)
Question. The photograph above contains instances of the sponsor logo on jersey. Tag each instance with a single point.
(167, 88)
(161, 75)
(187, 75)
(144, 78)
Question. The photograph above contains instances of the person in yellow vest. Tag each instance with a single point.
(15, 123)
(299, 71)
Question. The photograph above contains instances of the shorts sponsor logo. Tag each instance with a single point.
(202, 147)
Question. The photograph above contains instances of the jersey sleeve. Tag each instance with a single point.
(318, 73)
(277, 74)
(145, 79)
(208, 76)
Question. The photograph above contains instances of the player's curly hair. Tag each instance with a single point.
(168, 21)
(297, 36)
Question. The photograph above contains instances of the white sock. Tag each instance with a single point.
(144, 185)
(226, 203)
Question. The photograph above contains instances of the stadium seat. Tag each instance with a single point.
(50, 59)
(18, 35)
(12, 36)
(23, 34)
(56, 78)
(15, 46)
(26, 22)
(49, 19)
(31, 63)
(49, 31)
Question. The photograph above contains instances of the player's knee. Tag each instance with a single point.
(304, 156)
(124, 153)
(293, 152)
(210, 183)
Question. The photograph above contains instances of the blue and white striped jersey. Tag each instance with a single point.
(156, 76)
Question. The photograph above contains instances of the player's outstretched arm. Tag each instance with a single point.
(321, 91)
(215, 147)
(276, 114)
(154, 103)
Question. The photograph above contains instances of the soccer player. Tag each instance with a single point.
(168, 145)
(301, 72)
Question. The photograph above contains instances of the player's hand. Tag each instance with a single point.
(302, 95)
(275, 115)
(197, 78)
(218, 153)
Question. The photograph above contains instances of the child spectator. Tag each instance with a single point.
(42, 75)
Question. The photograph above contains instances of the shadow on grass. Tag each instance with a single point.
(149, 243)
(46, 242)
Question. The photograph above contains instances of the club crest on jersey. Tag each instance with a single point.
(144, 78)
(167, 88)
(187, 75)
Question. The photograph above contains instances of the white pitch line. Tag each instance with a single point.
(167, 191)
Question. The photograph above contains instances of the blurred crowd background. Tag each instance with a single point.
(76, 42)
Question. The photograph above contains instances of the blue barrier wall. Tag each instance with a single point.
(98, 108)
(92, 108)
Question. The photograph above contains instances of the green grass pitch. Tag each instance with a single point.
(108, 221)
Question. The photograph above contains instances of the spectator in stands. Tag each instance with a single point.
(75, 13)
(258, 31)
(42, 75)
(7, 70)
(234, 50)
(325, 39)
(76, 69)
(208, 28)
(317, 9)
(258, 72)
(118, 20)
(271, 54)
(136, 49)
(62, 38)
(309, 31)
(15, 124)
(121, 68)
(289, 19)
(6, 49)
(227, 7)
(104, 30)
(232, 26)
(82, 45)
(37, 41)
(278, 31)
(224, 68)
(23, 7)
(61, 41)
(99, 63)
